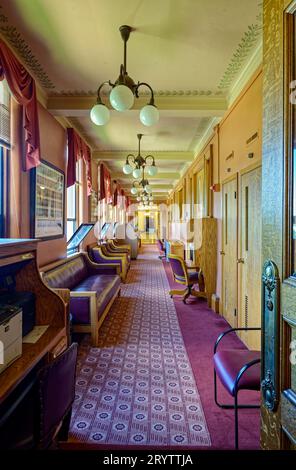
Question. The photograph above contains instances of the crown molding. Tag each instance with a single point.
(159, 93)
(19, 45)
(253, 64)
(162, 175)
(159, 155)
(77, 106)
(249, 40)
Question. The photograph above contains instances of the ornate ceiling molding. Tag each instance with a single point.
(14, 39)
(247, 43)
(83, 93)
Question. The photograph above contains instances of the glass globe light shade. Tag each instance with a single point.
(136, 173)
(127, 169)
(152, 170)
(134, 191)
(100, 114)
(149, 115)
(121, 98)
(148, 188)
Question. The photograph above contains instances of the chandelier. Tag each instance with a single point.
(123, 92)
(145, 198)
(143, 184)
(136, 164)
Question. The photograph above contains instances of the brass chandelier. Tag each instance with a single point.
(136, 164)
(123, 92)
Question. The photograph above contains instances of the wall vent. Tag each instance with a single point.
(246, 311)
(253, 137)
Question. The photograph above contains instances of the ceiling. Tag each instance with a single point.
(191, 52)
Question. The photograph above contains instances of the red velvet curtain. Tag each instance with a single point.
(105, 184)
(77, 149)
(23, 88)
(116, 194)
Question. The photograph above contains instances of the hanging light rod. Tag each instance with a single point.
(144, 183)
(123, 92)
(136, 164)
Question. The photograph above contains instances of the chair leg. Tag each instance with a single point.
(236, 421)
(187, 294)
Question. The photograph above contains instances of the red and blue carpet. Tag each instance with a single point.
(137, 387)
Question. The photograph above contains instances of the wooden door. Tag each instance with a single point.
(249, 261)
(229, 251)
(278, 428)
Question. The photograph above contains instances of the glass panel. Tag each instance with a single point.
(292, 361)
(71, 225)
(71, 202)
(78, 236)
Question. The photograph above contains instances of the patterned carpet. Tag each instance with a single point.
(137, 387)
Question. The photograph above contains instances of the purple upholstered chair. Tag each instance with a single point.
(161, 248)
(237, 369)
(183, 276)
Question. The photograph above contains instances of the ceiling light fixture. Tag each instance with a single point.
(146, 188)
(123, 92)
(134, 164)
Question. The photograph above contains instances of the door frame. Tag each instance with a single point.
(225, 181)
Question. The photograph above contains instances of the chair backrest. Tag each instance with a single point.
(67, 274)
(160, 245)
(56, 390)
(179, 269)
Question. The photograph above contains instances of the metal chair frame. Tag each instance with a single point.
(236, 406)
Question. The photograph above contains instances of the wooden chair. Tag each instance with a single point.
(183, 276)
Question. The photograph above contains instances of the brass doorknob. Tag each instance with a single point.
(240, 260)
(222, 252)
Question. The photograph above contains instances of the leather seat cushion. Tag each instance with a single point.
(105, 287)
(68, 274)
(228, 363)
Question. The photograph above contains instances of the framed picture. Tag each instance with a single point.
(47, 201)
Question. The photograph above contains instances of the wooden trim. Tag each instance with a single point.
(249, 168)
(288, 145)
(230, 178)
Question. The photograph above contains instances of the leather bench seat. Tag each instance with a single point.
(93, 289)
(104, 286)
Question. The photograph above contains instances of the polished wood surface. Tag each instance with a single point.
(205, 253)
(50, 310)
(229, 251)
(278, 40)
(250, 266)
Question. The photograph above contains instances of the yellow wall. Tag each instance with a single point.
(230, 150)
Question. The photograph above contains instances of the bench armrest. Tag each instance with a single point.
(63, 293)
(83, 293)
(101, 268)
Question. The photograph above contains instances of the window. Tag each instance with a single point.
(71, 211)
(73, 202)
(4, 152)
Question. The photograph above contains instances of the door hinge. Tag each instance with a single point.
(235, 312)
(234, 194)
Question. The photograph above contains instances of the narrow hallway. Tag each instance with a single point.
(138, 386)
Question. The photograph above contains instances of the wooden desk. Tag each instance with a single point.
(19, 256)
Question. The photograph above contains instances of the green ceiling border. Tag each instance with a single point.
(247, 43)
(14, 38)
